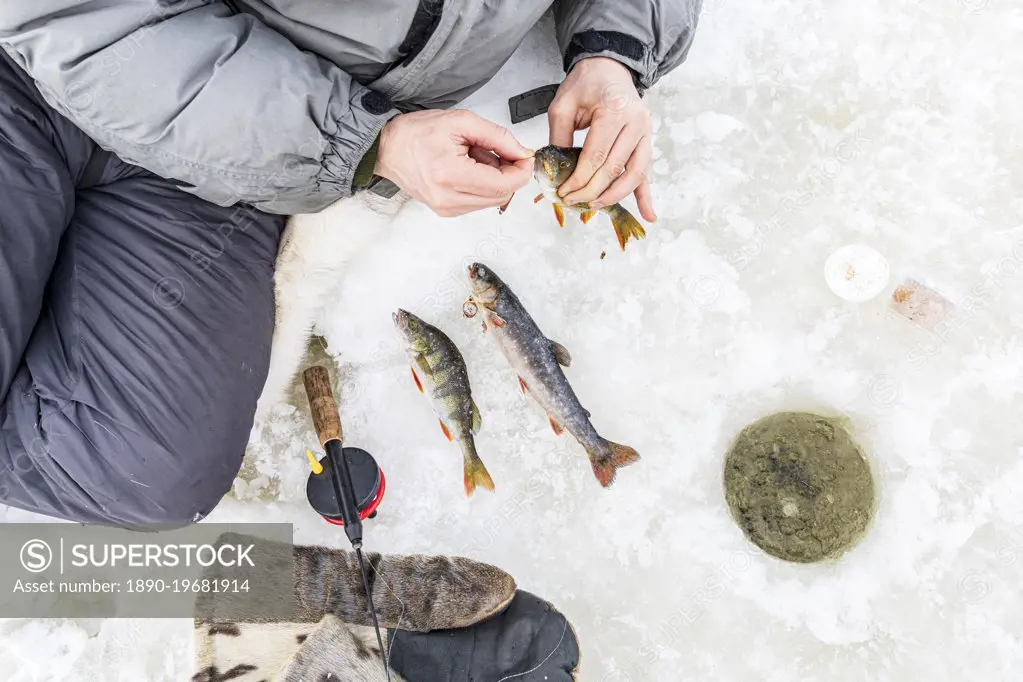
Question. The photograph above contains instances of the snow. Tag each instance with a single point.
(795, 128)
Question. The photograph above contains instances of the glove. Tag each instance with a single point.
(528, 640)
(446, 619)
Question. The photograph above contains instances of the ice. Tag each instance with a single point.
(795, 128)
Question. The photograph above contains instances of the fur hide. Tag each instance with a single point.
(328, 651)
(314, 251)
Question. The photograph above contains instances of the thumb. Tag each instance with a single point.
(480, 132)
(562, 124)
(518, 174)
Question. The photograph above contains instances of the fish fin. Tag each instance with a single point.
(587, 216)
(538, 199)
(477, 419)
(476, 474)
(423, 365)
(625, 224)
(558, 430)
(606, 468)
(559, 213)
(444, 428)
(505, 207)
(484, 326)
(561, 353)
(522, 385)
(419, 384)
(587, 413)
(497, 320)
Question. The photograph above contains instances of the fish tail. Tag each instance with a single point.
(475, 472)
(614, 457)
(625, 224)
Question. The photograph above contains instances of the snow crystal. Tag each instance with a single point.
(794, 128)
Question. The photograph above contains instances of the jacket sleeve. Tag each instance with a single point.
(192, 91)
(651, 37)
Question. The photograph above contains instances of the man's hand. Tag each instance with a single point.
(599, 94)
(455, 162)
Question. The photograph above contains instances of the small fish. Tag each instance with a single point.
(439, 371)
(555, 165)
(538, 362)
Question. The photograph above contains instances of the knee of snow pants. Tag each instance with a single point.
(136, 323)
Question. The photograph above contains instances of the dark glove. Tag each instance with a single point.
(528, 641)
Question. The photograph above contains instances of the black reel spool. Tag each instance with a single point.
(368, 483)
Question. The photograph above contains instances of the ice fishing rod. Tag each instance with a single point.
(347, 485)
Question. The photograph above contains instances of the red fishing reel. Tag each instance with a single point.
(368, 484)
(346, 485)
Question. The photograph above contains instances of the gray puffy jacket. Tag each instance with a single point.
(275, 102)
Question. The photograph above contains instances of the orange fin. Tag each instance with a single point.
(446, 432)
(415, 376)
(625, 224)
(476, 474)
(559, 213)
(606, 468)
(587, 216)
(497, 320)
(522, 385)
(557, 428)
(538, 199)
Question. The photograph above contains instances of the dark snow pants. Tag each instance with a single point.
(135, 327)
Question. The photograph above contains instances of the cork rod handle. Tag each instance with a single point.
(322, 404)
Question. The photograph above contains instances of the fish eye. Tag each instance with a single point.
(565, 164)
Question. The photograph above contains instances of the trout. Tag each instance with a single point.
(439, 371)
(538, 362)
(552, 167)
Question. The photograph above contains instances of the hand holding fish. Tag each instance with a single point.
(455, 162)
(599, 94)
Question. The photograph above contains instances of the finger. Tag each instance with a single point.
(484, 156)
(599, 142)
(637, 170)
(614, 166)
(562, 119)
(645, 199)
(519, 172)
(479, 132)
(491, 182)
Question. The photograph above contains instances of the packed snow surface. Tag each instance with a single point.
(794, 129)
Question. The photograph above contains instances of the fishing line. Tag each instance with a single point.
(400, 619)
(541, 663)
(373, 612)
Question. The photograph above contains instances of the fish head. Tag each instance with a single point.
(413, 330)
(554, 165)
(486, 285)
